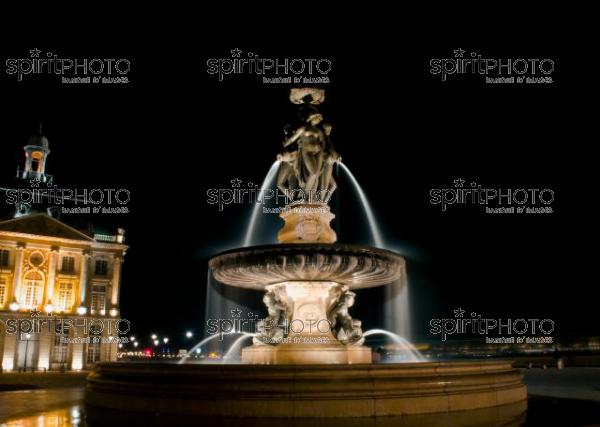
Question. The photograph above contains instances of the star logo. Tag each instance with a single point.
(35, 313)
(235, 183)
(250, 54)
(459, 182)
(458, 53)
(235, 53)
(35, 53)
(34, 182)
(459, 312)
(473, 54)
(236, 312)
(250, 315)
(473, 184)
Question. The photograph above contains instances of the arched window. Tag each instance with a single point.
(32, 289)
(36, 161)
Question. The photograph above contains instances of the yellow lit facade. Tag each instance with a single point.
(48, 269)
(51, 272)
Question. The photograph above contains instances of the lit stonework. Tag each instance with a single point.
(52, 272)
(52, 268)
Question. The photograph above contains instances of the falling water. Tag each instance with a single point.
(197, 346)
(408, 351)
(210, 298)
(221, 301)
(268, 183)
(235, 345)
(375, 233)
(396, 306)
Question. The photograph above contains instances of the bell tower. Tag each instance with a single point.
(36, 153)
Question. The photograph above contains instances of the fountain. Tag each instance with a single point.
(307, 358)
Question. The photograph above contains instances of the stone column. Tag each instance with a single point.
(83, 281)
(114, 300)
(109, 348)
(113, 348)
(76, 351)
(18, 272)
(45, 337)
(51, 273)
(10, 349)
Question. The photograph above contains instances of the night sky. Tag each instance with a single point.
(172, 134)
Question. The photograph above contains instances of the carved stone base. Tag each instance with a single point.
(306, 391)
(308, 338)
(307, 223)
(297, 353)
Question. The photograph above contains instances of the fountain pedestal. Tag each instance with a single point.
(307, 222)
(306, 354)
(307, 337)
(308, 288)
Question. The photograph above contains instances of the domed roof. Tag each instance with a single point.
(38, 141)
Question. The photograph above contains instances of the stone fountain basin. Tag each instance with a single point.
(355, 266)
(304, 391)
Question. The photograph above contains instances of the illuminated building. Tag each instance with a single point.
(54, 272)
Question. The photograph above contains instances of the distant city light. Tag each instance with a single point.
(165, 340)
(155, 342)
(189, 334)
(154, 336)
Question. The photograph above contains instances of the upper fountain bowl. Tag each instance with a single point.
(355, 266)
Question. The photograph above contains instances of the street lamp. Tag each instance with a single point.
(135, 343)
(155, 342)
(189, 334)
(165, 340)
(154, 336)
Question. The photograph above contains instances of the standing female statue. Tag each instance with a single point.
(308, 158)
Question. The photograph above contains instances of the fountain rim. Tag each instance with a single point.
(441, 363)
(349, 247)
(249, 268)
(305, 391)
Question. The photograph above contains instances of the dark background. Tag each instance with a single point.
(175, 131)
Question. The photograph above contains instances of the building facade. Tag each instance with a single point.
(59, 288)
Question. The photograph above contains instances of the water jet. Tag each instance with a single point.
(308, 357)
